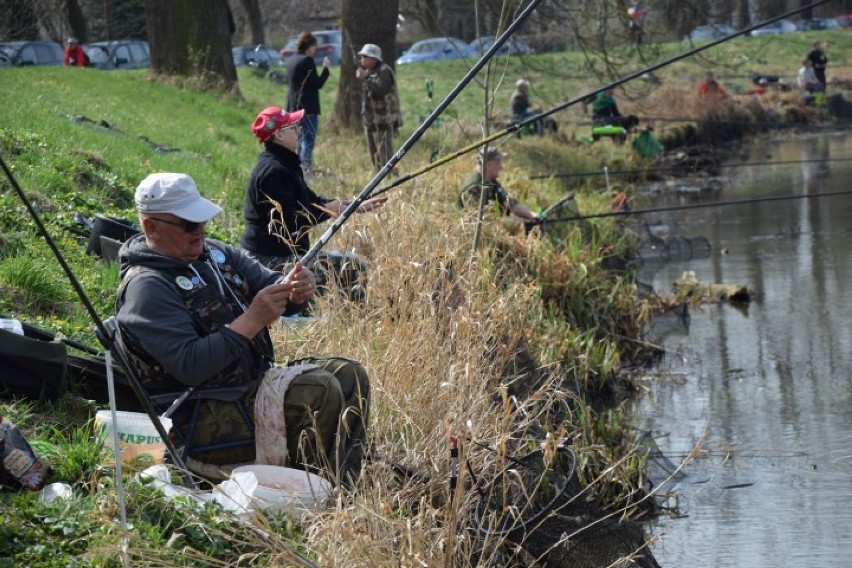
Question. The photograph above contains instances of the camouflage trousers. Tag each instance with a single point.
(380, 142)
(326, 411)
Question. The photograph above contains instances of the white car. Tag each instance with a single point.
(710, 32)
(436, 49)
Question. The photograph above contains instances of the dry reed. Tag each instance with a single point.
(442, 331)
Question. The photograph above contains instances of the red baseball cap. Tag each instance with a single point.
(272, 119)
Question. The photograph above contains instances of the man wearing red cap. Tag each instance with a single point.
(280, 208)
(74, 54)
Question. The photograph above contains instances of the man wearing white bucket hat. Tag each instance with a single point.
(194, 312)
(520, 109)
(380, 111)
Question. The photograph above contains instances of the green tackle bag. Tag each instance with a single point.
(647, 145)
(609, 130)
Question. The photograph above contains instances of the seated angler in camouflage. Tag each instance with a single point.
(485, 179)
(193, 312)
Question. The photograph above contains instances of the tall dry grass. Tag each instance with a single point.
(494, 347)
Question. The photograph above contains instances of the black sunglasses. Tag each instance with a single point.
(187, 226)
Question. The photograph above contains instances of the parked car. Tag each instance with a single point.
(845, 20)
(118, 54)
(21, 53)
(436, 49)
(257, 55)
(710, 32)
(264, 61)
(514, 46)
(329, 44)
(818, 25)
(775, 28)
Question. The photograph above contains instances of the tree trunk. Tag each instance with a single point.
(726, 11)
(76, 20)
(191, 38)
(744, 15)
(255, 20)
(806, 14)
(364, 21)
(19, 20)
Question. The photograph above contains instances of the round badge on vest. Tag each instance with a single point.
(218, 256)
(183, 282)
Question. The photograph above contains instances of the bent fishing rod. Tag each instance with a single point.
(417, 134)
(690, 206)
(515, 127)
(676, 168)
(105, 336)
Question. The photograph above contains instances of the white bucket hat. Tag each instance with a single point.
(371, 50)
(176, 194)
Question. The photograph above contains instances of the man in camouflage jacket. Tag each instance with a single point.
(380, 113)
(194, 312)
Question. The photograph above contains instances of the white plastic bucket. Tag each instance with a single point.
(285, 489)
(141, 445)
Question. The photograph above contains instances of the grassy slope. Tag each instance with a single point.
(425, 382)
(219, 151)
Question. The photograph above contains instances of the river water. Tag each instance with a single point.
(763, 392)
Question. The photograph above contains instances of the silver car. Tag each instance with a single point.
(710, 32)
(514, 46)
(118, 54)
(329, 44)
(23, 53)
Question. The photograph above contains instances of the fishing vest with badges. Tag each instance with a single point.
(211, 307)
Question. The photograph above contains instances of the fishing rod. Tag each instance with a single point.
(513, 128)
(701, 118)
(417, 134)
(105, 336)
(714, 120)
(684, 167)
(692, 206)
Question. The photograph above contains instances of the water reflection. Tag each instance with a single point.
(768, 388)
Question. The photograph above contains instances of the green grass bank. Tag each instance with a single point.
(448, 336)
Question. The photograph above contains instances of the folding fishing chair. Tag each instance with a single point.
(168, 403)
